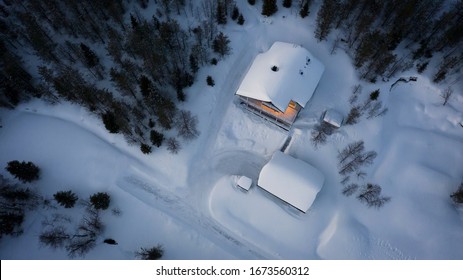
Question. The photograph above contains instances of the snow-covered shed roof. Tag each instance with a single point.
(333, 117)
(295, 76)
(292, 180)
(244, 183)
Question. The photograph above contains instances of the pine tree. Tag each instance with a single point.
(156, 138)
(109, 120)
(235, 13)
(304, 9)
(24, 171)
(221, 44)
(287, 3)
(241, 20)
(210, 81)
(221, 13)
(66, 198)
(100, 200)
(146, 149)
(90, 58)
(252, 2)
(194, 63)
(325, 18)
(269, 7)
(457, 196)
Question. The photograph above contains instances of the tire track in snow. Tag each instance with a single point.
(175, 207)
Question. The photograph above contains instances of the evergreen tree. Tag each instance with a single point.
(235, 13)
(156, 138)
(325, 18)
(241, 20)
(90, 58)
(221, 13)
(24, 171)
(304, 11)
(66, 198)
(287, 3)
(146, 149)
(252, 2)
(100, 200)
(210, 81)
(269, 7)
(194, 63)
(110, 123)
(221, 44)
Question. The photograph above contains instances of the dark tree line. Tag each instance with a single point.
(372, 30)
(149, 61)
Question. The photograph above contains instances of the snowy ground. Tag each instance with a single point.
(189, 203)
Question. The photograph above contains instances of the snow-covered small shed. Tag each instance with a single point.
(292, 180)
(280, 82)
(333, 117)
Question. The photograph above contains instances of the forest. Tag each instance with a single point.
(131, 69)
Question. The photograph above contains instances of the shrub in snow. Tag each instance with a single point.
(100, 200)
(116, 211)
(24, 171)
(457, 196)
(153, 253)
(252, 2)
(214, 61)
(146, 149)
(66, 198)
(210, 81)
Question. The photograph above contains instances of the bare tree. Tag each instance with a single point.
(371, 196)
(350, 189)
(320, 133)
(446, 94)
(173, 145)
(186, 124)
(54, 237)
(353, 157)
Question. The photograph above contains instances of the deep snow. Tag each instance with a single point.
(189, 202)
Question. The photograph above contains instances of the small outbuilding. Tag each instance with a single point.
(244, 182)
(333, 117)
(292, 180)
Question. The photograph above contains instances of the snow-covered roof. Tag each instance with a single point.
(244, 182)
(333, 117)
(296, 77)
(292, 180)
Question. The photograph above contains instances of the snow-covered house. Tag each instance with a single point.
(280, 82)
(333, 117)
(292, 180)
